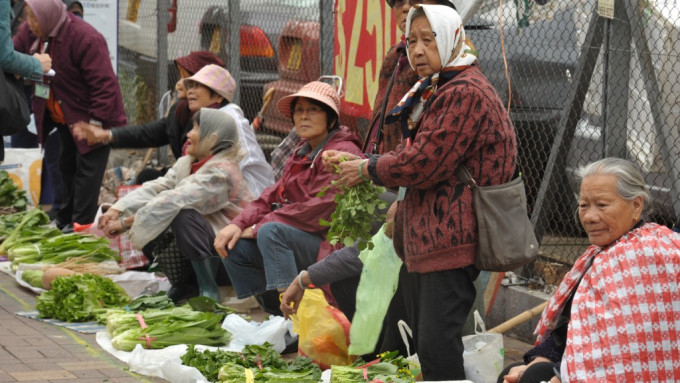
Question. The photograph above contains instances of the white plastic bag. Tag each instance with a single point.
(244, 333)
(484, 354)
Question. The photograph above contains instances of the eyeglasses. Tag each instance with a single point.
(400, 3)
(311, 111)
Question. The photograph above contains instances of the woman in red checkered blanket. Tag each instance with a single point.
(616, 315)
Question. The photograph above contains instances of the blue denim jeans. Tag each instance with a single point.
(272, 260)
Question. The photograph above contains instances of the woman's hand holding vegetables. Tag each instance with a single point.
(226, 239)
(346, 165)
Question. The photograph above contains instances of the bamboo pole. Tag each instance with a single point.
(519, 319)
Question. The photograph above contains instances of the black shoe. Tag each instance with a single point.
(291, 344)
(180, 294)
(269, 302)
(68, 228)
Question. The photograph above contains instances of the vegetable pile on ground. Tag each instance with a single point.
(159, 328)
(357, 208)
(58, 249)
(260, 363)
(24, 227)
(10, 195)
(80, 297)
(389, 367)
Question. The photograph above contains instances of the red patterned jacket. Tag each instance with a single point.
(464, 121)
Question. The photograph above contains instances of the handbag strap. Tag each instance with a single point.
(465, 177)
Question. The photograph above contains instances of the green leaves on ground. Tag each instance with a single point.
(10, 195)
(79, 297)
(265, 364)
(389, 367)
(165, 327)
(62, 247)
(357, 208)
(25, 228)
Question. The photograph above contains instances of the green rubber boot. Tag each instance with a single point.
(205, 275)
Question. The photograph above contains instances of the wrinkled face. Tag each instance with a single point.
(604, 214)
(199, 96)
(311, 121)
(192, 140)
(32, 21)
(179, 86)
(422, 47)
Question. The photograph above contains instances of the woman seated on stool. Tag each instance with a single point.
(278, 235)
(200, 194)
(616, 315)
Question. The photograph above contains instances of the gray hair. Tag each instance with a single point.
(629, 180)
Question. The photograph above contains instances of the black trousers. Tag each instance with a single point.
(194, 235)
(437, 305)
(81, 176)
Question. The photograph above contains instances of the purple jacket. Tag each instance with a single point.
(84, 85)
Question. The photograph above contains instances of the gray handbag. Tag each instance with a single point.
(506, 236)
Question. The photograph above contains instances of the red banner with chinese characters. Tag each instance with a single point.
(364, 32)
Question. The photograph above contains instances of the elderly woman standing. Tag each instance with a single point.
(200, 194)
(451, 117)
(278, 235)
(84, 90)
(615, 317)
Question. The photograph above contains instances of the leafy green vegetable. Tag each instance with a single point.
(33, 277)
(10, 195)
(158, 301)
(62, 247)
(25, 227)
(357, 207)
(165, 327)
(389, 367)
(265, 364)
(205, 304)
(79, 297)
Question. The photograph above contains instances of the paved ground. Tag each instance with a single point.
(33, 351)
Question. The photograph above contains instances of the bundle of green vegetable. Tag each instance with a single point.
(159, 328)
(357, 208)
(33, 278)
(62, 247)
(28, 229)
(10, 195)
(80, 297)
(389, 367)
(263, 363)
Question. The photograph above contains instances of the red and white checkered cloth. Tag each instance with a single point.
(625, 316)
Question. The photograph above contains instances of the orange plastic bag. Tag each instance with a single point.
(323, 331)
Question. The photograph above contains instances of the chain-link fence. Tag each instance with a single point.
(579, 86)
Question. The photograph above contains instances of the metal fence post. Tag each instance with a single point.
(234, 47)
(162, 59)
(616, 79)
(327, 21)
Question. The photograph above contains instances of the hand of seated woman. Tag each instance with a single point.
(110, 215)
(226, 239)
(331, 158)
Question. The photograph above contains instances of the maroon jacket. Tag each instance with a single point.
(464, 121)
(303, 177)
(84, 85)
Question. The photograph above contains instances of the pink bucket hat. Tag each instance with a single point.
(315, 90)
(216, 78)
